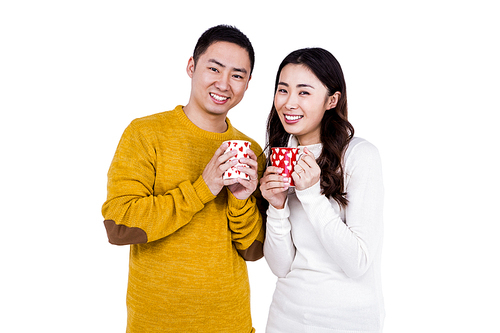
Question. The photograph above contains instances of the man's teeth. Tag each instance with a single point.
(219, 98)
(293, 117)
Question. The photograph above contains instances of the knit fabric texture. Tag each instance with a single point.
(188, 275)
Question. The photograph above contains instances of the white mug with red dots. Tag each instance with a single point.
(241, 147)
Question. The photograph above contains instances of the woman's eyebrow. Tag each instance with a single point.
(300, 85)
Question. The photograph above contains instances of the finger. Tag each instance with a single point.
(222, 148)
(227, 156)
(273, 170)
(275, 178)
(251, 173)
(277, 190)
(308, 160)
(251, 154)
(302, 165)
(249, 162)
(220, 155)
(274, 187)
(230, 181)
(226, 166)
(308, 152)
(248, 184)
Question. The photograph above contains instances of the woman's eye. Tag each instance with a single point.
(282, 91)
(303, 93)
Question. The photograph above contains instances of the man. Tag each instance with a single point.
(189, 229)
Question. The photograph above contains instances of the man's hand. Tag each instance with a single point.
(212, 175)
(243, 188)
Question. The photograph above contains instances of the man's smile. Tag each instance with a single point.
(218, 98)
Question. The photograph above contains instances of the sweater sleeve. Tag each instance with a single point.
(279, 249)
(354, 244)
(245, 221)
(132, 213)
(245, 216)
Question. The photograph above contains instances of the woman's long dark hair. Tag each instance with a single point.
(336, 131)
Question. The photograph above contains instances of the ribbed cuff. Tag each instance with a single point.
(277, 220)
(203, 191)
(280, 214)
(236, 203)
(310, 193)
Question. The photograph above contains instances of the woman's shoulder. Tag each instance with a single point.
(360, 149)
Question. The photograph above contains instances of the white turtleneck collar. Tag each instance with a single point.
(315, 148)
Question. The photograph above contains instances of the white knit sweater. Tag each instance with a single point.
(327, 259)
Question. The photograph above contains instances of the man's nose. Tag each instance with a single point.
(222, 83)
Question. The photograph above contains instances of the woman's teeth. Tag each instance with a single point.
(287, 117)
(217, 97)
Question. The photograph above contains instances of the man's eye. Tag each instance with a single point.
(213, 69)
(237, 76)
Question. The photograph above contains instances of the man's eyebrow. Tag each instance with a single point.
(242, 70)
(216, 62)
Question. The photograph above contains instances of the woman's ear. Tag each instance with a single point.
(333, 100)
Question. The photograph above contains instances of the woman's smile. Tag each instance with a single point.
(292, 119)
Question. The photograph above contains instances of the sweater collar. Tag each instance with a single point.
(316, 148)
(227, 135)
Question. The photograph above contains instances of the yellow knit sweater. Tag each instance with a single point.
(186, 274)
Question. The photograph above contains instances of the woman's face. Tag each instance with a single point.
(301, 101)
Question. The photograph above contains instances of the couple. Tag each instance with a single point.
(191, 230)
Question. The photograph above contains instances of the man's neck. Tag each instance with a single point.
(209, 122)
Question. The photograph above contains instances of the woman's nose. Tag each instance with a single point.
(291, 103)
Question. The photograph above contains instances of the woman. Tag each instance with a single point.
(324, 236)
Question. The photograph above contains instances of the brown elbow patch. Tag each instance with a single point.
(254, 252)
(119, 234)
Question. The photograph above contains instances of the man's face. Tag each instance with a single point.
(220, 78)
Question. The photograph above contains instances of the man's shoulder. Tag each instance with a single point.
(155, 119)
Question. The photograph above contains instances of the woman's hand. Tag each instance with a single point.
(306, 172)
(274, 186)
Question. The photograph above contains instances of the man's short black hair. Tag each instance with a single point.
(223, 33)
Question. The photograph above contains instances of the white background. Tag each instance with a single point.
(423, 86)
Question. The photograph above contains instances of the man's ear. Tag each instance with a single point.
(248, 82)
(190, 67)
(333, 100)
